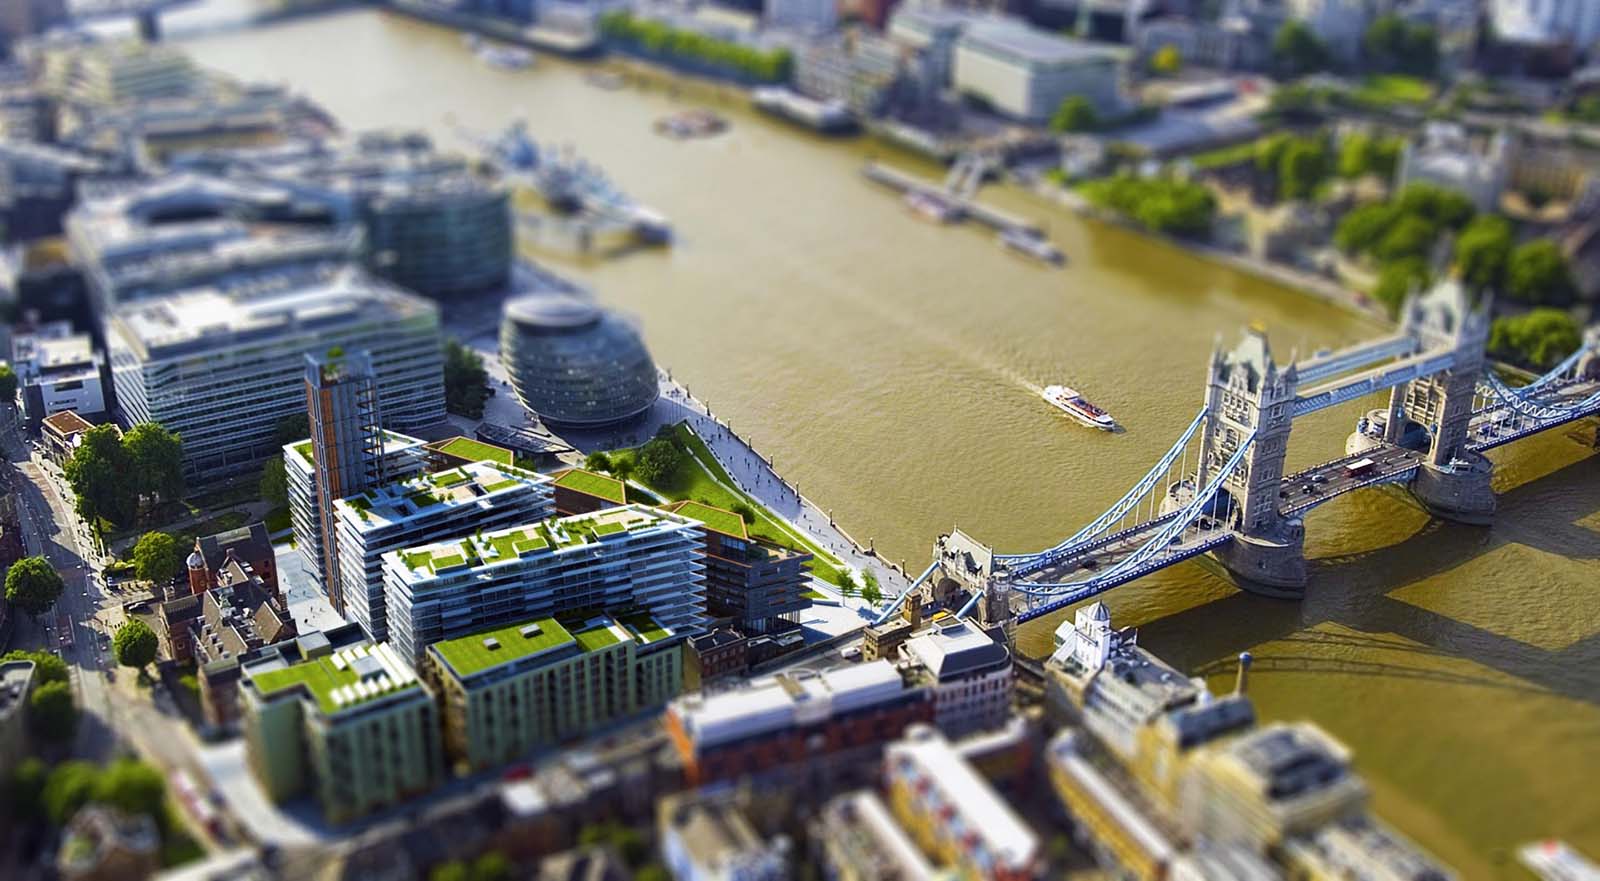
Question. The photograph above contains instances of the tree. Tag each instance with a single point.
(846, 582)
(275, 482)
(71, 785)
(1483, 250)
(1397, 279)
(293, 428)
(25, 790)
(1537, 273)
(745, 512)
(870, 591)
(622, 469)
(1412, 236)
(492, 866)
(33, 585)
(1391, 43)
(1541, 338)
(156, 457)
(1075, 114)
(51, 713)
(1362, 229)
(98, 475)
(1167, 60)
(1302, 168)
(1361, 154)
(157, 558)
(597, 461)
(134, 644)
(466, 383)
(8, 384)
(1296, 51)
(47, 667)
(133, 787)
(1445, 208)
(454, 870)
(659, 459)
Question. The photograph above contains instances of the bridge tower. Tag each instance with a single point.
(1246, 392)
(1453, 482)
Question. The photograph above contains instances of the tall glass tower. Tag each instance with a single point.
(346, 443)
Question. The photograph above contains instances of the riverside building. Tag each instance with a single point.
(222, 371)
(622, 560)
(758, 584)
(575, 364)
(506, 691)
(480, 497)
(969, 673)
(354, 728)
(1026, 73)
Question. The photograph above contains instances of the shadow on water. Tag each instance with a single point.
(1352, 591)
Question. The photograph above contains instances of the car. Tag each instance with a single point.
(1319, 478)
(1308, 489)
(850, 653)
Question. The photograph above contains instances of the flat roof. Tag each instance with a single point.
(453, 487)
(1009, 839)
(1031, 45)
(345, 679)
(477, 652)
(531, 539)
(473, 450)
(593, 484)
(67, 422)
(784, 701)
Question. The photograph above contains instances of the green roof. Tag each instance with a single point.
(321, 677)
(304, 449)
(644, 627)
(448, 478)
(475, 451)
(467, 655)
(501, 484)
(592, 484)
(597, 638)
(717, 519)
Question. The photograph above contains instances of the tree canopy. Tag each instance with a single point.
(51, 712)
(466, 383)
(1537, 272)
(134, 644)
(292, 428)
(1161, 204)
(597, 461)
(98, 475)
(158, 558)
(1296, 51)
(659, 459)
(1393, 44)
(133, 787)
(71, 785)
(1483, 250)
(156, 456)
(47, 666)
(1398, 278)
(274, 486)
(33, 585)
(8, 384)
(1361, 154)
(1539, 339)
(659, 38)
(1075, 114)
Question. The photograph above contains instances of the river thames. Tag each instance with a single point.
(891, 368)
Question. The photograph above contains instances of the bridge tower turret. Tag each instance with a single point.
(1453, 481)
(1247, 392)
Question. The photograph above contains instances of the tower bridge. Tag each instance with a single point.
(1221, 488)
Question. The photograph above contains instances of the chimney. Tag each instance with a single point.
(1244, 673)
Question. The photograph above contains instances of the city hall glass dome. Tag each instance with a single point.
(575, 364)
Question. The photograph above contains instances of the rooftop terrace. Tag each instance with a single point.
(462, 485)
(473, 450)
(716, 519)
(553, 535)
(344, 679)
(590, 483)
(470, 655)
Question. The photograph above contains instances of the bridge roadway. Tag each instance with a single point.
(1301, 492)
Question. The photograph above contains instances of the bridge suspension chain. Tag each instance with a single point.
(1129, 501)
(1185, 518)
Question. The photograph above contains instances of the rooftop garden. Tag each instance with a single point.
(641, 625)
(698, 477)
(597, 485)
(476, 451)
(597, 638)
(501, 484)
(445, 479)
(319, 676)
(717, 519)
(473, 654)
(304, 449)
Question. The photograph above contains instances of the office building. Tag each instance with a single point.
(969, 673)
(354, 728)
(575, 364)
(823, 725)
(124, 71)
(707, 837)
(57, 371)
(760, 585)
(813, 16)
(476, 498)
(402, 457)
(39, 185)
(223, 371)
(16, 686)
(505, 692)
(629, 559)
(1025, 73)
(954, 815)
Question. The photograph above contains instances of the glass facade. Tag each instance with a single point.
(575, 364)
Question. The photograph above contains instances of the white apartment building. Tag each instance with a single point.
(1026, 73)
(476, 498)
(223, 370)
(1576, 22)
(57, 370)
(616, 560)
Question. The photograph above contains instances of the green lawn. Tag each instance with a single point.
(477, 451)
(1389, 90)
(596, 639)
(725, 522)
(698, 480)
(468, 654)
(446, 479)
(1224, 156)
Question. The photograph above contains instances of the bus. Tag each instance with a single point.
(195, 803)
(1359, 467)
